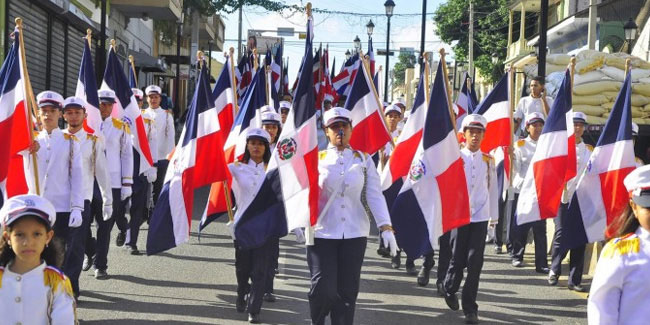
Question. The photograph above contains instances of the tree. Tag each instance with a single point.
(490, 32)
(405, 61)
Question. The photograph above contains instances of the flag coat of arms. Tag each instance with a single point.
(434, 198)
(197, 161)
(87, 89)
(600, 195)
(553, 164)
(291, 182)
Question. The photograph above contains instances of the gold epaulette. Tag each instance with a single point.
(322, 154)
(148, 120)
(360, 154)
(35, 133)
(622, 246)
(91, 137)
(69, 136)
(487, 158)
(55, 279)
(2, 271)
(521, 143)
(127, 129)
(236, 163)
(589, 147)
(117, 123)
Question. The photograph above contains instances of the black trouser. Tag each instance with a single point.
(252, 264)
(96, 208)
(137, 210)
(104, 229)
(71, 239)
(468, 244)
(335, 268)
(558, 253)
(541, 245)
(444, 255)
(498, 228)
(273, 264)
(512, 223)
(160, 178)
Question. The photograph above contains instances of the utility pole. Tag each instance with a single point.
(591, 34)
(241, 5)
(100, 55)
(541, 48)
(423, 30)
(471, 39)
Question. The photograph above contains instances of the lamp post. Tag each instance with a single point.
(347, 55)
(389, 5)
(370, 26)
(357, 44)
(630, 34)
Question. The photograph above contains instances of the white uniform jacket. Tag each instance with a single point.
(524, 151)
(93, 160)
(529, 105)
(583, 153)
(119, 151)
(150, 129)
(482, 186)
(28, 299)
(341, 176)
(246, 182)
(60, 171)
(164, 131)
(620, 293)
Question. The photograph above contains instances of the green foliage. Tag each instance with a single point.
(405, 61)
(490, 32)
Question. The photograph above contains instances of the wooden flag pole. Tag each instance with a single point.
(267, 73)
(427, 81)
(511, 99)
(572, 66)
(113, 45)
(89, 37)
(29, 100)
(448, 90)
(627, 66)
(233, 80)
(132, 66)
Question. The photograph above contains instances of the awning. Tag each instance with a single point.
(147, 63)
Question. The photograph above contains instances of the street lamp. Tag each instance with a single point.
(347, 55)
(370, 26)
(630, 34)
(389, 5)
(495, 58)
(357, 43)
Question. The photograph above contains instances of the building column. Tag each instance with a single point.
(522, 27)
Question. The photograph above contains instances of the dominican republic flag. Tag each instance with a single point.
(285, 79)
(343, 81)
(291, 182)
(496, 110)
(316, 68)
(276, 68)
(407, 144)
(333, 68)
(14, 123)
(434, 198)
(371, 56)
(197, 161)
(375, 81)
(553, 164)
(127, 108)
(600, 196)
(466, 101)
(244, 75)
(369, 132)
(272, 92)
(87, 89)
(326, 90)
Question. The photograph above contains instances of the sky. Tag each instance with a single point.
(339, 30)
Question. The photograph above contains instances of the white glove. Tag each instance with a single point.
(231, 228)
(389, 241)
(75, 219)
(300, 235)
(152, 175)
(125, 192)
(108, 212)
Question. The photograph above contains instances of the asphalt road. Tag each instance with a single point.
(195, 284)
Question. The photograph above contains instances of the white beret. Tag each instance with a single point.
(49, 98)
(337, 114)
(27, 205)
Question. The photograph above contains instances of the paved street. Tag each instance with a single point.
(195, 284)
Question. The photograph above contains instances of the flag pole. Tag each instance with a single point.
(366, 73)
(29, 100)
(89, 36)
(627, 66)
(233, 81)
(267, 70)
(310, 233)
(446, 77)
(427, 81)
(132, 66)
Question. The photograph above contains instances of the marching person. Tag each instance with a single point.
(468, 242)
(523, 155)
(119, 158)
(164, 132)
(349, 192)
(60, 177)
(576, 265)
(93, 161)
(247, 176)
(285, 107)
(392, 116)
(620, 293)
(32, 288)
(537, 101)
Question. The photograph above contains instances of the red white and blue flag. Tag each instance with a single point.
(434, 198)
(466, 101)
(553, 164)
(291, 182)
(14, 123)
(276, 68)
(87, 89)
(197, 161)
(371, 56)
(369, 133)
(127, 108)
(244, 75)
(496, 110)
(343, 81)
(600, 195)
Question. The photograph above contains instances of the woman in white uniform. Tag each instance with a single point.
(350, 193)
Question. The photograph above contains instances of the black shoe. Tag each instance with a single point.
(498, 250)
(121, 238)
(423, 276)
(471, 318)
(577, 288)
(452, 301)
(517, 263)
(269, 297)
(396, 261)
(410, 269)
(254, 318)
(552, 279)
(441, 289)
(542, 270)
(88, 262)
(101, 274)
(240, 304)
(383, 252)
(133, 249)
